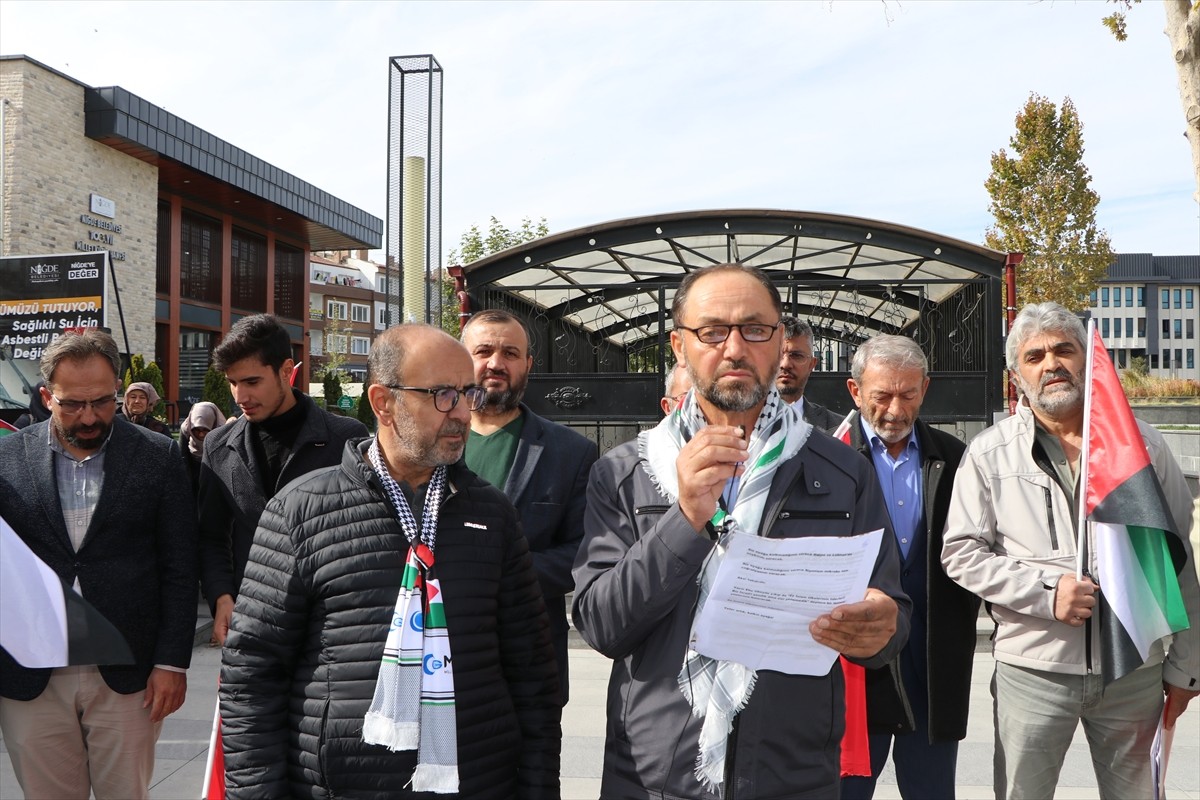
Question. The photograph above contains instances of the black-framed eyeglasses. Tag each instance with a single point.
(445, 398)
(73, 407)
(749, 331)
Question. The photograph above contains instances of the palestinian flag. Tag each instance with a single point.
(43, 621)
(856, 747)
(1138, 552)
(6, 429)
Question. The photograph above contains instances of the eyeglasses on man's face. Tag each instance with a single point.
(749, 331)
(445, 398)
(73, 407)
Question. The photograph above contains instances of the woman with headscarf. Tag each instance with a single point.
(140, 400)
(203, 417)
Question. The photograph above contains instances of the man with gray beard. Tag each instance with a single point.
(541, 466)
(390, 639)
(1011, 539)
(734, 458)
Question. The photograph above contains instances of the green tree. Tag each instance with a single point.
(216, 390)
(474, 245)
(1044, 207)
(141, 372)
(363, 412)
(331, 380)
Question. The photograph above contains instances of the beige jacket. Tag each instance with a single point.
(1010, 537)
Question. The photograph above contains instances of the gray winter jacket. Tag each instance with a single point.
(635, 591)
(1010, 536)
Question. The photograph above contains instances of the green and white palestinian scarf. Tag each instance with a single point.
(718, 690)
(413, 706)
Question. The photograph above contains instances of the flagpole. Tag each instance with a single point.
(1084, 453)
(214, 742)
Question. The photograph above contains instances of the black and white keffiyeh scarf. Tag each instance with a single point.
(718, 690)
(413, 705)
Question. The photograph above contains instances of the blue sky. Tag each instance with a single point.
(587, 112)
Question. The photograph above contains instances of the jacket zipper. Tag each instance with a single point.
(1087, 632)
(730, 749)
(813, 515)
(1050, 518)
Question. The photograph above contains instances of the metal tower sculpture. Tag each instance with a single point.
(413, 276)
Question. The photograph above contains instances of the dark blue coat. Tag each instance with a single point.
(548, 486)
(941, 644)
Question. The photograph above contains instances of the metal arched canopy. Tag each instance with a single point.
(609, 278)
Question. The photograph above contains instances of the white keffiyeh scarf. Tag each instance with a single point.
(718, 690)
(413, 705)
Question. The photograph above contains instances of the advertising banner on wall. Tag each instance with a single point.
(40, 297)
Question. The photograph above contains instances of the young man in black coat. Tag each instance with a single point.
(280, 436)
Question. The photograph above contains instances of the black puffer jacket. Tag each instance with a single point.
(308, 630)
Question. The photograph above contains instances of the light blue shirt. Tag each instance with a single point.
(900, 480)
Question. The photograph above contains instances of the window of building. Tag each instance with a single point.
(1129, 296)
(1178, 330)
(336, 309)
(195, 350)
(1191, 358)
(1141, 327)
(316, 343)
(1104, 327)
(1166, 362)
(1166, 298)
(1166, 334)
(1178, 357)
(291, 289)
(1141, 296)
(1104, 297)
(360, 345)
(1121, 356)
(162, 272)
(1191, 329)
(335, 342)
(380, 316)
(248, 271)
(200, 258)
(359, 376)
(1116, 296)
(1092, 298)
(1154, 361)
(360, 313)
(1191, 298)
(1129, 327)
(1179, 298)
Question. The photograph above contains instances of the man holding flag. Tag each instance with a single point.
(1085, 610)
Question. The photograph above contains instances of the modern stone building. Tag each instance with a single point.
(200, 232)
(1147, 308)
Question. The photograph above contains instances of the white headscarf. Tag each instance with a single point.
(202, 415)
(147, 389)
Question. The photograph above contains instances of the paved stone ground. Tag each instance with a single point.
(182, 749)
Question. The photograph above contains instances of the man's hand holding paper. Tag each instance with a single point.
(858, 630)
(791, 605)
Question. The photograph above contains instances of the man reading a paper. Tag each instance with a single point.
(734, 461)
